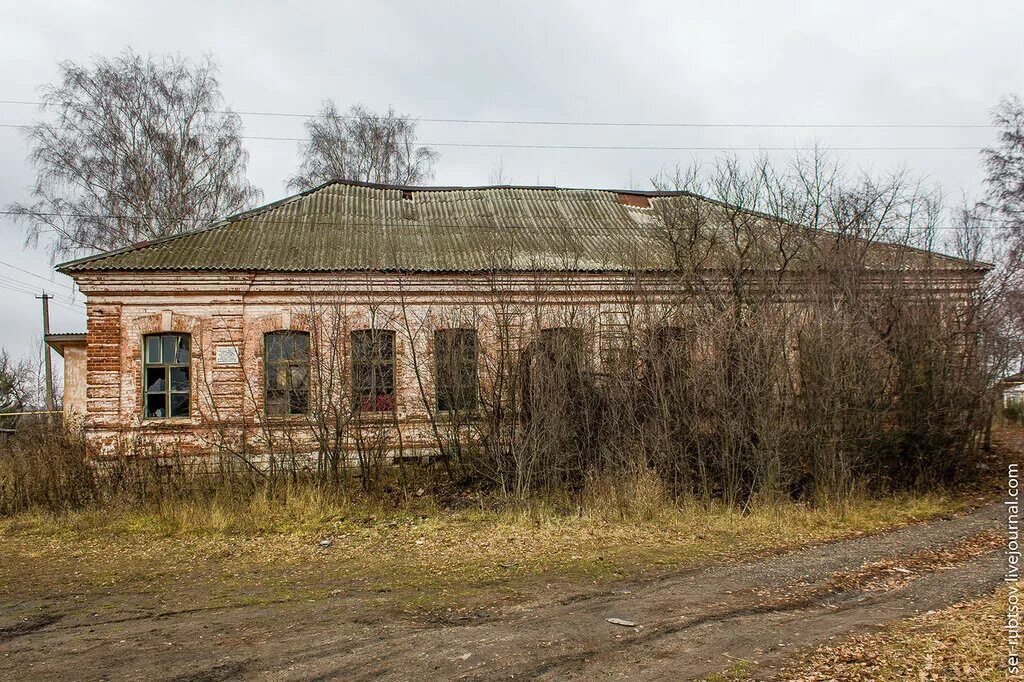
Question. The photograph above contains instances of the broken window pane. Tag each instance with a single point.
(179, 379)
(156, 405)
(156, 379)
(166, 375)
(179, 404)
(181, 353)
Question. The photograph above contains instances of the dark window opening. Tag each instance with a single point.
(556, 372)
(166, 384)
(373, 370)
(455, 360)
(564, 346)
(286, 367)
(669, 347)
(560, 403)
(667, 362)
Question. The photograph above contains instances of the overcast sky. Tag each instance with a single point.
(809, 63)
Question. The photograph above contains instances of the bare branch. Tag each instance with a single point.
(361, 145)
(136, 148)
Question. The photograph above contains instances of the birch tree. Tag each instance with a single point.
(361, 145)
(130, 149)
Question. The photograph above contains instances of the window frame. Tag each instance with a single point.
(473, 362)
(377, 402)
(168, 392)
(289, 364)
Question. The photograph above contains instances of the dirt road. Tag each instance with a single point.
(689, 624)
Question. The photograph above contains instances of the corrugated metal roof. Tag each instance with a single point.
(351, 226)
(59, 342)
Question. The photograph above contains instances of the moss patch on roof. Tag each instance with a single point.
(351, 226)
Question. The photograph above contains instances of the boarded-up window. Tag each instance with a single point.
(455, 359)
(373, 370)
(286, 366)
(668, 348)
(165, 376)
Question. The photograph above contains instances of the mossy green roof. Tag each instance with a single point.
(352, 226)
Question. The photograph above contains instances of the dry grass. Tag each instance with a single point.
(418, 555)
(963, 642)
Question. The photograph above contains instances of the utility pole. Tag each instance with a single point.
(46, 350)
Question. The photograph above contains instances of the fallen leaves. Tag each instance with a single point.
(962, 642)
(891, 574)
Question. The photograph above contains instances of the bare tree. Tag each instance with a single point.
(499, 173)
(16, 388)
(15, 383)
(133, 148)
(361, 145)
(1005, 162)
(1002, 214)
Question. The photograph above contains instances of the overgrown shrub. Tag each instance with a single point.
(813, 355)
(43, 465)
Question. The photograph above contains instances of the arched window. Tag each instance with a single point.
(165, 376)
(286, 373)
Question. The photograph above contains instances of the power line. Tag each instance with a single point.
(26, 286)
(35, 292)
(594, 124)
(581, 147)
(992, 223)
(37, 276)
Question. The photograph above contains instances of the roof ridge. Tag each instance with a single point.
(470, 188)
(345, 229)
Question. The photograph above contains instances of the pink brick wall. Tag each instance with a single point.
(237, 309)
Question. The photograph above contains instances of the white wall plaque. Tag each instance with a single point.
(227, 355)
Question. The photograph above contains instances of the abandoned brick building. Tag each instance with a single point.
(394, 293)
